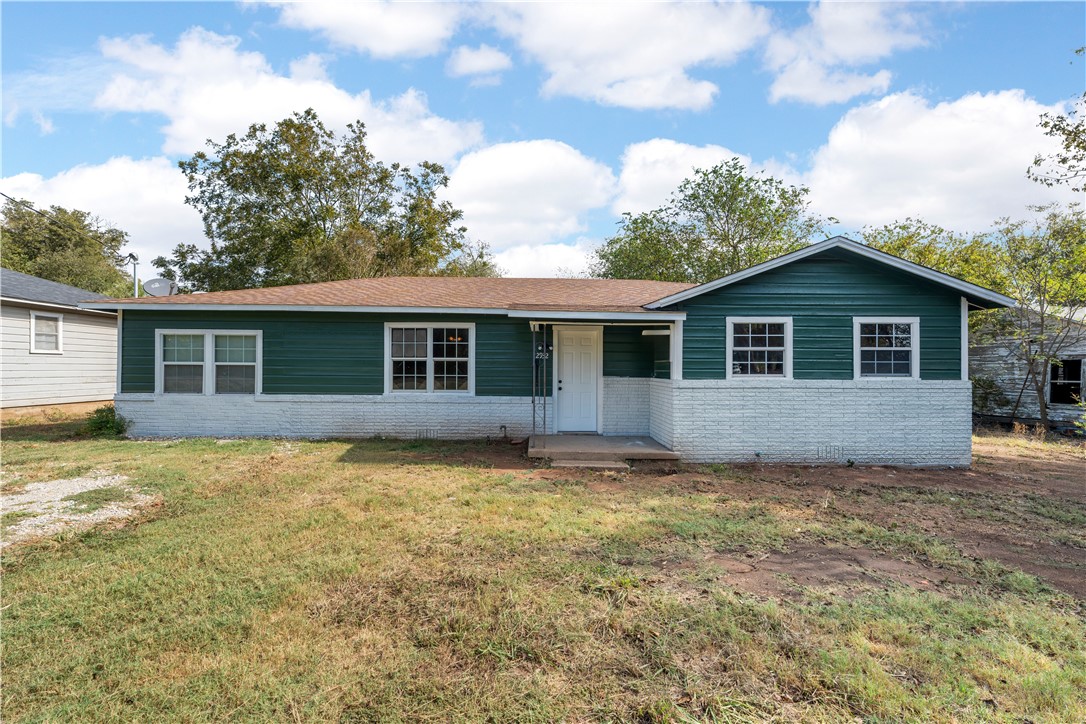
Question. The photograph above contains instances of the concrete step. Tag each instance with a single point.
(591, 464)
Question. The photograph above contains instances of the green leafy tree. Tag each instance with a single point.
(972, 257)
(65, 245)
(1068, 164)
(717, 222)
(294, 203)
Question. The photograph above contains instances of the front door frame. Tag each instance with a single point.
(598, 329)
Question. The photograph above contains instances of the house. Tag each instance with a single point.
(1005, 389)
(833, 353)
(53, 352)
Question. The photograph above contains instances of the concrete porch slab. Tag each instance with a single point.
(598, 447)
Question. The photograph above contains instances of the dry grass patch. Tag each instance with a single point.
(422, 581)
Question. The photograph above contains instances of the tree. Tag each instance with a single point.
(65, 245)
(972, 257)
(294, 203)
(1045, 267)
(1068, 164)
(717, 222)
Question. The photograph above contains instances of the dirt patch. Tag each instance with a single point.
(841, 570)
(56, 506)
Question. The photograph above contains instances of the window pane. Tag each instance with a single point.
(409, 375)
(183, 379)
(182, 348)
(46, 342)
(235, 348)
(235, 379)
(451, 375)
(450, 343)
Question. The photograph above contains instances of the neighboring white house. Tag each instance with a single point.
(52, 352)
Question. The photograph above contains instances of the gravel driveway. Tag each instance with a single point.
(43, 509)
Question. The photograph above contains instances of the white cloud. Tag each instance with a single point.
(633, 55)
(528, 192)
(961, 164)
(652, 169)
(144, 197)
(545, 260)
(207, 87)
(809, 61)
(381, 29)
(484, 62)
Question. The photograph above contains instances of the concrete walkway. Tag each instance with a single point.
(598, 447)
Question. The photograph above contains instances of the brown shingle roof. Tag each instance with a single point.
(603, 295)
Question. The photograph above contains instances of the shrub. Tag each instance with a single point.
(105, 422)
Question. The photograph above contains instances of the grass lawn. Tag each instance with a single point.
(405, 581)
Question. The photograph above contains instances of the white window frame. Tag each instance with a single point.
(34, 333)
(914, 365)
(430, 327)
(209, 360)
(729, 334)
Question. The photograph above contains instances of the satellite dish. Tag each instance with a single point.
(160, 287)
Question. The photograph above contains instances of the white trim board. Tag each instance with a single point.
(15, 301)
(840, 242)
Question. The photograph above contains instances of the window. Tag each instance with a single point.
(183, 363)
(886, 347)
(45, 333)
(235, 364)
(759, 348)
(430, 358)
(1065, 382)
(205, 362)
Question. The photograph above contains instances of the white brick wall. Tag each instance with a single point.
(906, 422)
(660, 411)
(626, 405)
(402, 416)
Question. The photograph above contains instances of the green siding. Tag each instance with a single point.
(325, 353)
(822, 294)
(627, 353)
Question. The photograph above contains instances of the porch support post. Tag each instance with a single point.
(677, 349)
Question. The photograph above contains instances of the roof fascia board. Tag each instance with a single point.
(515, 313)
(290, 308)
(50, 305)
(849, 245)
(643, 316)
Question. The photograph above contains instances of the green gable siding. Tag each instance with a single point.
(329, 353)
(822, 294)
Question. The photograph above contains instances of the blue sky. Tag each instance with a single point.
(552, 119)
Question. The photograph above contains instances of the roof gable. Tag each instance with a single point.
(977, 295)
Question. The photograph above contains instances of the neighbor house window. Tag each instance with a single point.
(199, 362)
(1065, 382)
(759, 348)
(886, 347)
(45, 333)
(430, 358)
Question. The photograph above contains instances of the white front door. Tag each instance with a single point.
(578, 377)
